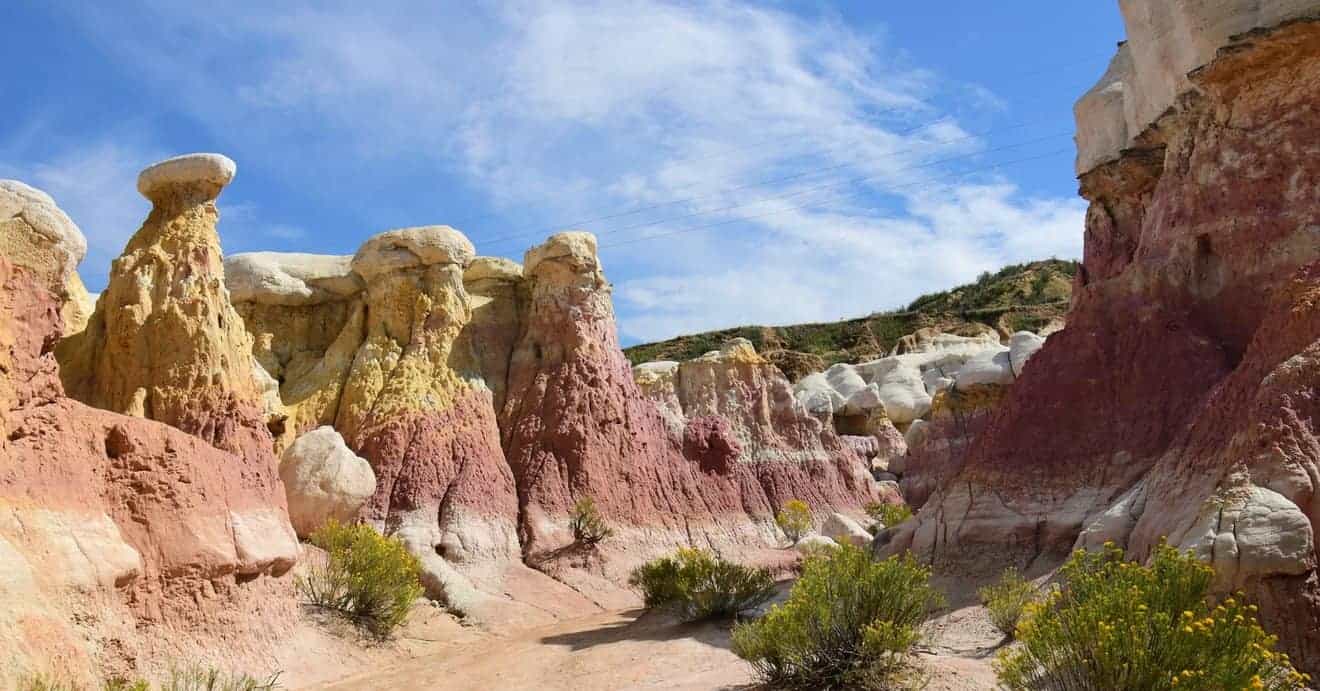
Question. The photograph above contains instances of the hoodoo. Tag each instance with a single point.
(1180, 400)
(119, 537)
(165, 342)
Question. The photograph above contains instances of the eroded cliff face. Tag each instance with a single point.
(429, 432)
(124, 543)
(791, 453)
(1179, 402)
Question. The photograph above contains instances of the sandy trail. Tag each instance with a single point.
(616, 650)
(633, 650)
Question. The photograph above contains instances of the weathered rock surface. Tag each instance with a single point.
(36, 233)
(1180, 401)
(306, 316)
(710, 470)
(165, 342)
(123, 542)
(844, 529)
(495, 286)
(430, 433)
(324, 480)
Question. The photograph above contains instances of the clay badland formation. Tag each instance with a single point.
(1180, 402)
(165, 448)
(161, 452)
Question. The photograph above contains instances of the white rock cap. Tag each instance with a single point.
(216, 169)
(1167, 39)
(35, 208)
(290, 278)
(409, 247)
(575, 245)
(497, 268)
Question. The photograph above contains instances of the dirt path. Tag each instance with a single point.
(632, 650)
(604, 652)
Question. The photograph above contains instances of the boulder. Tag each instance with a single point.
(842, 529)
(1021, 347)
(814, 545)
(324, 480)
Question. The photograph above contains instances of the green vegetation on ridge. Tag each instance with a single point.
(1017, 297)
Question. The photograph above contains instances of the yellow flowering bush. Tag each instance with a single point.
(366, 576)
(1115, 624)
(888, 515)
(794, 519)
(849, 623)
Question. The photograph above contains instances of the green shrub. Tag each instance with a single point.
(190, 678)
(195, 678)
(588, 525)
(1006, 599)
(849, 622)
(1115, 624)
(794, 519)
(694, 584)
(888, 515)
(371, 578)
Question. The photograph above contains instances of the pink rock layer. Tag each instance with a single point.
(183, 505)
(1190, 357)
(575, 424)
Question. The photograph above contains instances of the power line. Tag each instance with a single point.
(742, 219)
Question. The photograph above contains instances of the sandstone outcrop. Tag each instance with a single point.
(324, 480)
(797, 456)
(37, 234)
(306, 316)
(1180, 400)
(123, 542)
(165, 342)
(429, 432)
(711, 470)
(945, 384)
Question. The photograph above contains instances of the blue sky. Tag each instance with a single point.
(741, 163)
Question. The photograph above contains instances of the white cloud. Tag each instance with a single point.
(590, 109)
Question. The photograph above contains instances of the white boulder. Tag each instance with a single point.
(1021, 346)
(986, 368)
(323, 479)
(843, 529)
(216, 170)
(814, 545)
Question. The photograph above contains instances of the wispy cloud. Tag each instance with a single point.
(819, 136)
